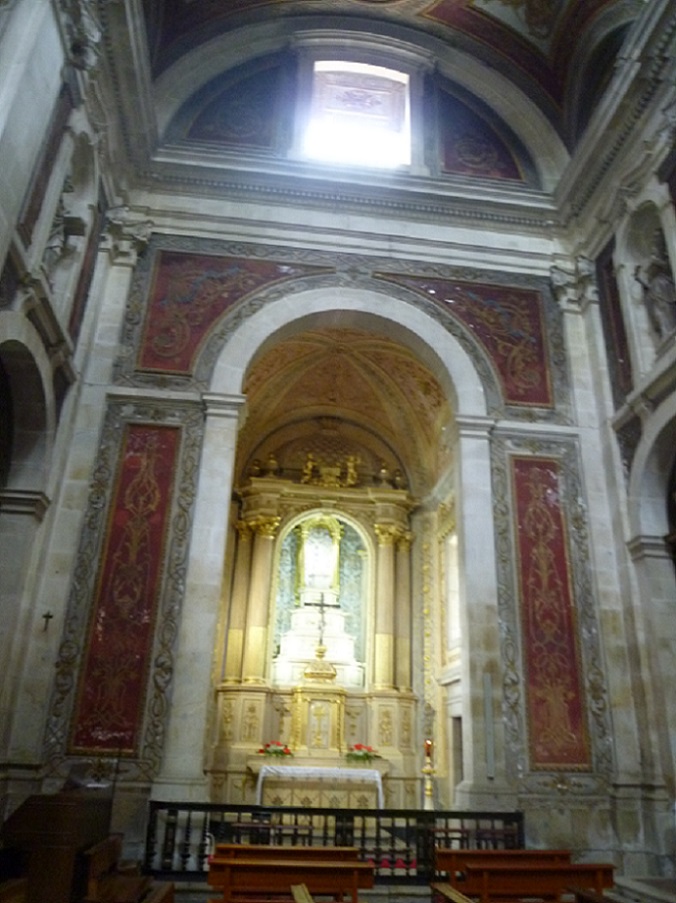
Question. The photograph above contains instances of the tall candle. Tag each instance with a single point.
(428, 749)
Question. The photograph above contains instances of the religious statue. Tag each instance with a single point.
(659, 293)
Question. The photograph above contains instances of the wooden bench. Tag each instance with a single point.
(544, 880)
(301, 894)
(454, 862)
(266, 851)
(160, 892)
(243, 879)
(109, 879)
(13, 890)
(447, 891)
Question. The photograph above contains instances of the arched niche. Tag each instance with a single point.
(250, 710)
(646, 281)
(322, 597)
(27, 382)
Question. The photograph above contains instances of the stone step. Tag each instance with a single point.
(642, 890)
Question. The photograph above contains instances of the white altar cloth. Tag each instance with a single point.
(314, 773)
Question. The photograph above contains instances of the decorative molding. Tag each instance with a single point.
(566, 453)
(189, 417)
(83, 31)
(649, 547)
(338, 270)
(24, 502)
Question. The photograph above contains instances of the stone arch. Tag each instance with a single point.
(402, 320)
(28, 381)
(371, 310)
(651, 469)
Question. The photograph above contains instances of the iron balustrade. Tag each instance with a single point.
(399, 842)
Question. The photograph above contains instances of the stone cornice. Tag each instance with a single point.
(24, 501)
(426, 200)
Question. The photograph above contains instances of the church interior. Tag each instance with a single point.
(338, 410)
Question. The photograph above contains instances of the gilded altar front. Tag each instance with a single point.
(341, 787)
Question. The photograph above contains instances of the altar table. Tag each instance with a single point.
(346, 784)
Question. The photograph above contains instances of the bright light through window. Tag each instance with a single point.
(359, 114)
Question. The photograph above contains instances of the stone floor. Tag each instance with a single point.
(627, 890)
(645, 890)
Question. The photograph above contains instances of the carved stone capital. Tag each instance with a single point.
(126, 235)
(574, 282)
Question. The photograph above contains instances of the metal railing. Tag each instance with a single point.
(399, 842)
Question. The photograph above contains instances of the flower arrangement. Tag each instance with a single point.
(360, 752)
(275, 748)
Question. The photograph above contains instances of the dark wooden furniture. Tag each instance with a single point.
(447, 892)
(112, 880)
(254, 879)
(13, 890)
(52, 831)
(543, 880)
(454, 862)
(265, 851)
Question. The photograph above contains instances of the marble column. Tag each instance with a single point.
(234, 647)
(182, 773)
(383, 670)
(255, 637)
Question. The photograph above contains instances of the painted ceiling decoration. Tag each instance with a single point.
(534, 42)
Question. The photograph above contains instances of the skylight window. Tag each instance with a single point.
(359, 114)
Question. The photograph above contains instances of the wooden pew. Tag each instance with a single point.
(13, 890)
(301, 894)
(266, 851)
(447, 891)
(544, 880)
(454, 862)
(111, 880)
(258, 878)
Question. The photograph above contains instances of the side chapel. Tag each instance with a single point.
(338, 408)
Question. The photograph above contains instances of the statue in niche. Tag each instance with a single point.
(318, 558)
(659, 293)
